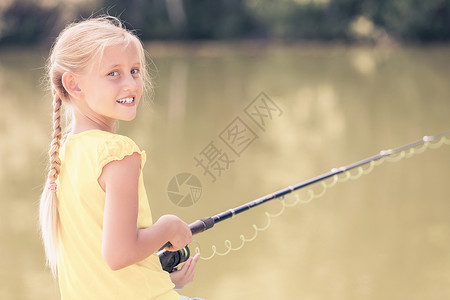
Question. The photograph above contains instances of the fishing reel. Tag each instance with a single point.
(170, 259)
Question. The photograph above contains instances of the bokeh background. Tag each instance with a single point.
(351, 78)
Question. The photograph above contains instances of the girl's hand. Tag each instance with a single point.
(185, 276)
(178, 232)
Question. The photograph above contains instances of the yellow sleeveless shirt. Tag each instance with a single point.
(82, 271)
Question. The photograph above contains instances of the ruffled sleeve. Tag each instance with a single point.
(116, 147)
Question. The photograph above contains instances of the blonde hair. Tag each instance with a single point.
(77, 46)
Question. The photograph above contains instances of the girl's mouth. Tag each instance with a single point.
(127, 100)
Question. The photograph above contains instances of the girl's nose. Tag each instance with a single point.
(130, 83)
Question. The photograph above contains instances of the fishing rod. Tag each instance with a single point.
(170, 259)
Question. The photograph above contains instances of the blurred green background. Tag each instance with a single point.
(34, 21)
(351, 77)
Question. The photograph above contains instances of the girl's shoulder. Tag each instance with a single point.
(102, 139)
(106, 146)
(113, 146)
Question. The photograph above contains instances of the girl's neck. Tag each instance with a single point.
(82, 123)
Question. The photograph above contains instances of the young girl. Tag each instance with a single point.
(95, 219)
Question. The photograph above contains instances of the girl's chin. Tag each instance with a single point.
(127, 115)
(128, 118)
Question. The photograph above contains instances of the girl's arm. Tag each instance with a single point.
(123, 243)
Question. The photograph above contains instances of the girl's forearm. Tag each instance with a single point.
(146, 242)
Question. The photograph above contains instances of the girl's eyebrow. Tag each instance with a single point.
(120, 65)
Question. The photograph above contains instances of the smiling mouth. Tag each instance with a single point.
(127, 100)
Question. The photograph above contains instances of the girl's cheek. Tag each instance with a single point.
(113, 84)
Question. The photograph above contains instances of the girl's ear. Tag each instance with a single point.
(70, 84)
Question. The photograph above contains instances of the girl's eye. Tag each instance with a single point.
(113, 73)
(135, 71)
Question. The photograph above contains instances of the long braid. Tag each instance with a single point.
(55, 162)
(49, 216)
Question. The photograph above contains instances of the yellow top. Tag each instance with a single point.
(82, 271)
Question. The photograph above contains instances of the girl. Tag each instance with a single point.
(95, 220)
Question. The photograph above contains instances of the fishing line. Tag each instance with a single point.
(346, 175)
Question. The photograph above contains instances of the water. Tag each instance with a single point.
(385, 235)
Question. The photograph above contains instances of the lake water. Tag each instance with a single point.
(247, 120)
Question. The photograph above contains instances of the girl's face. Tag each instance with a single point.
(112, 87)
